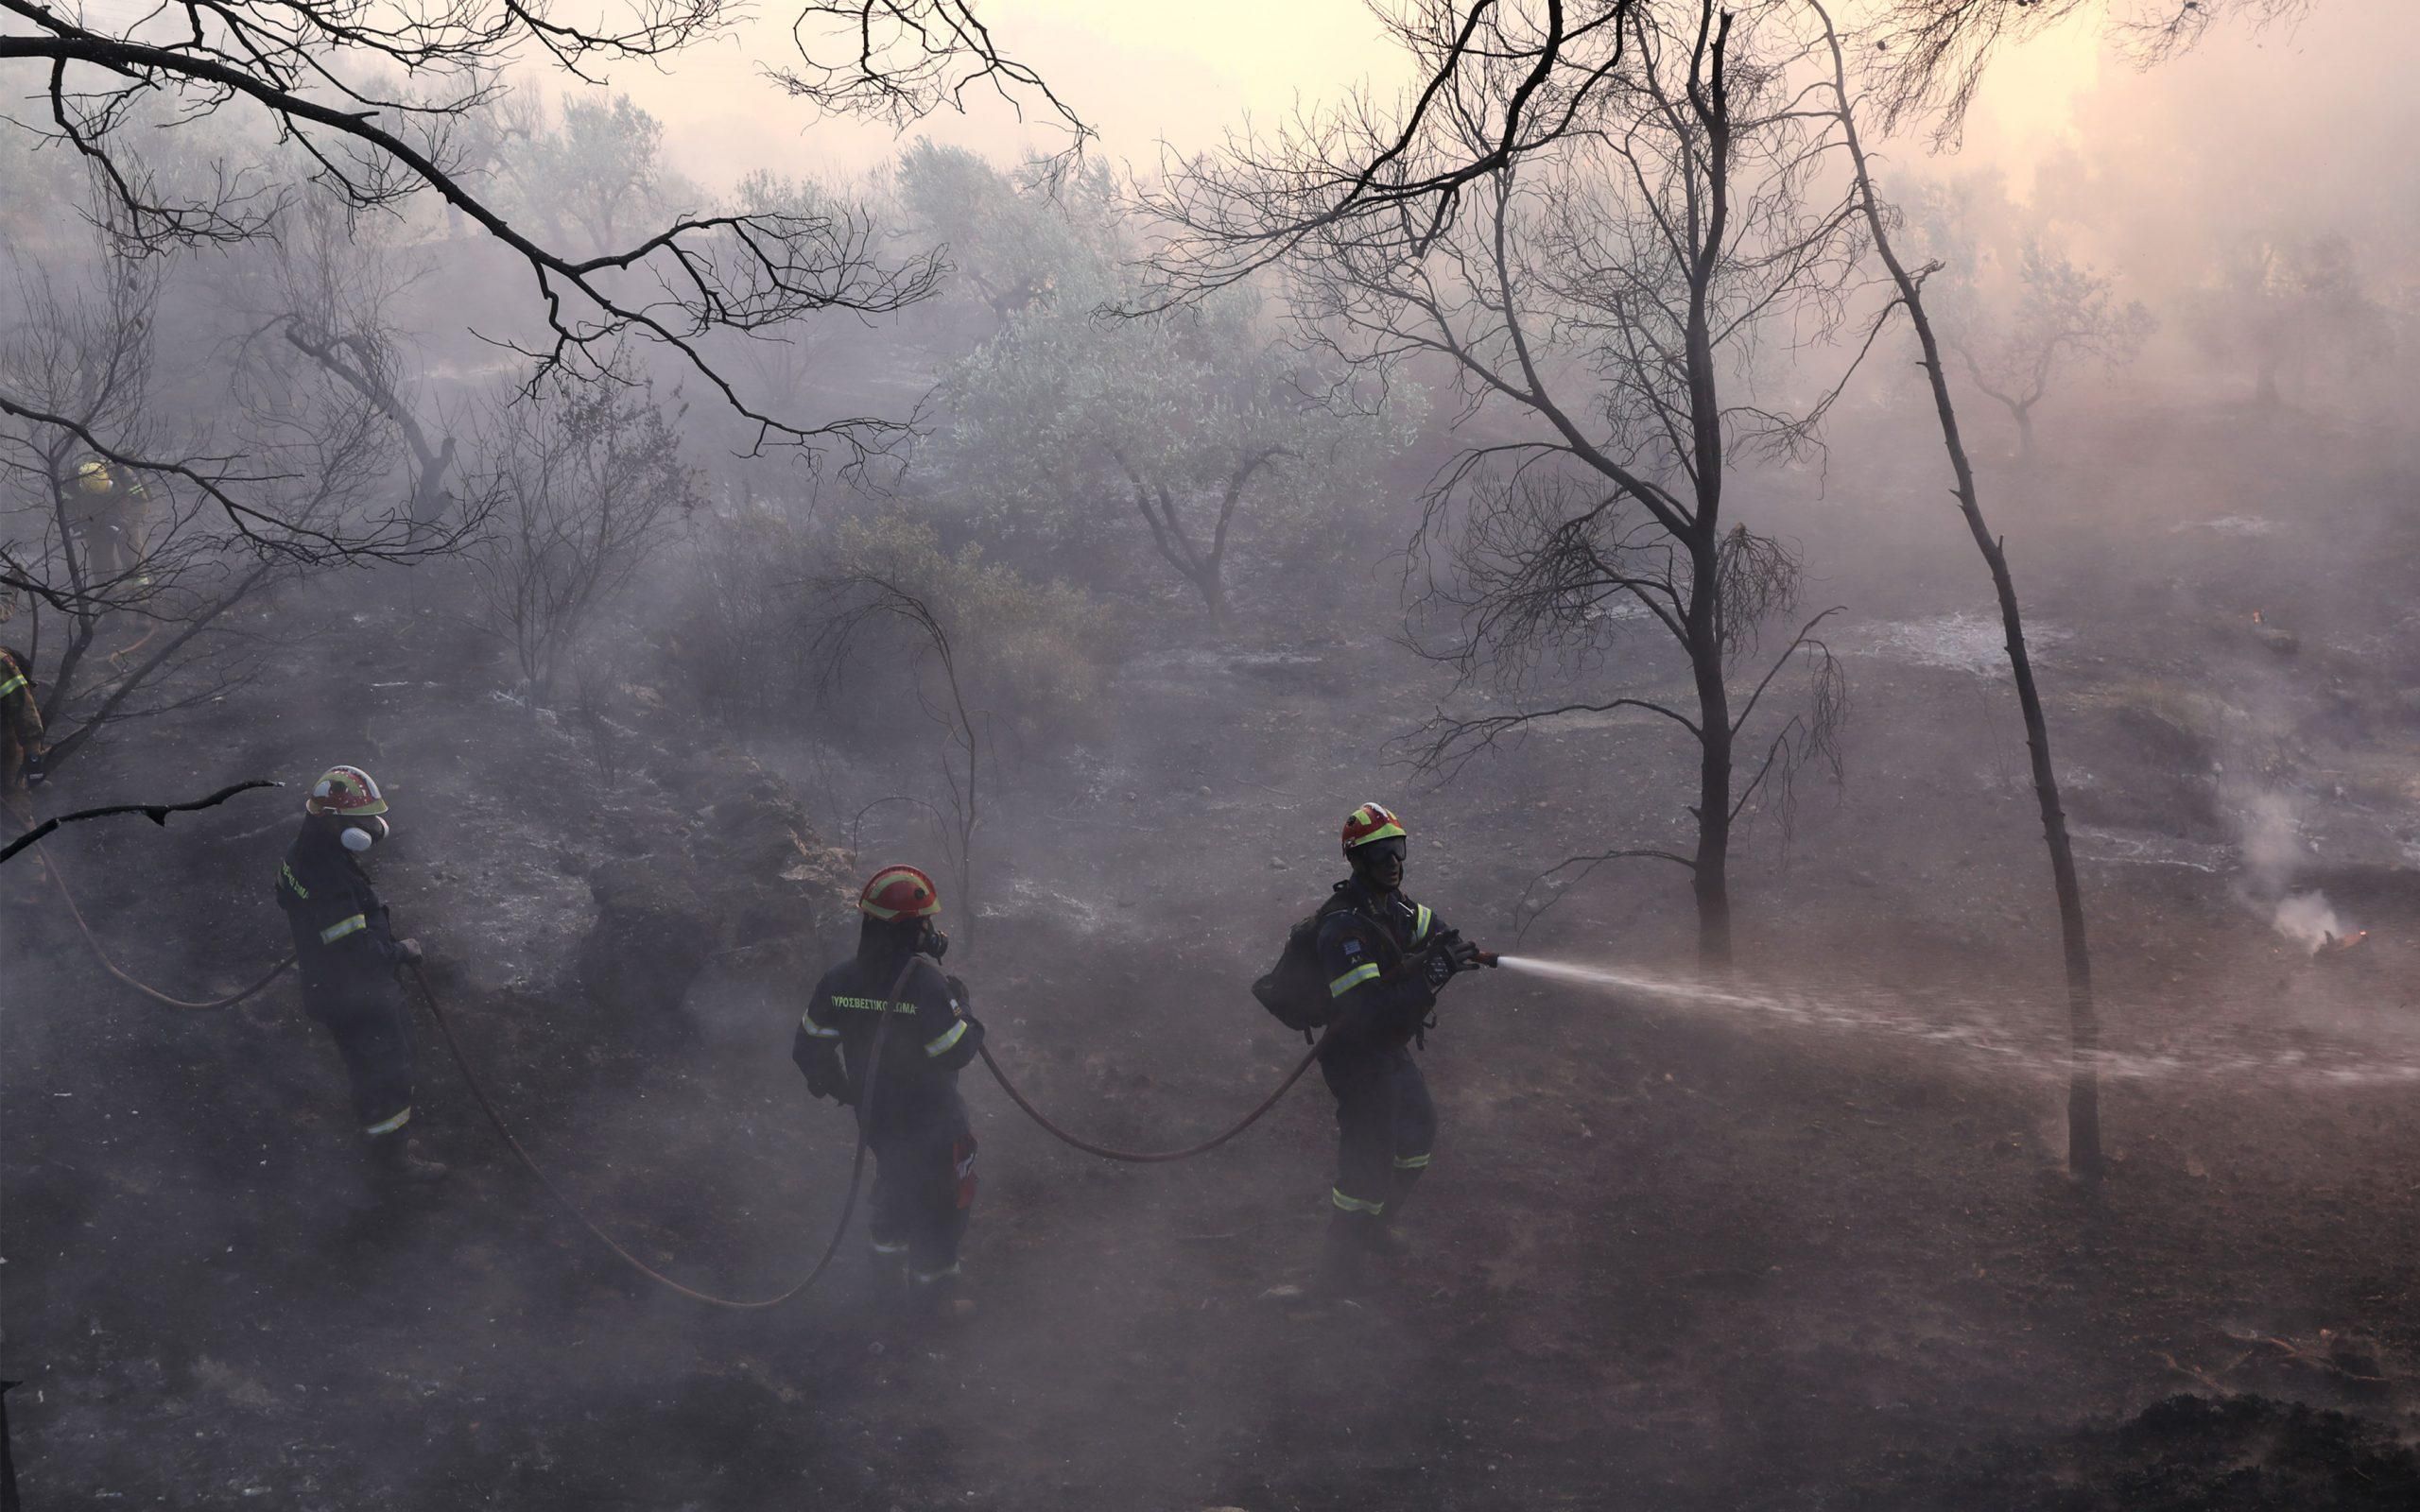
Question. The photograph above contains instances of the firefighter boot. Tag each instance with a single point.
(396, 1162)
(939, 1295)
(1383, 1239)
(886, 1274)
(1343, 1255)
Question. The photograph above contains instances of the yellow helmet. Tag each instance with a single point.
(92, 476)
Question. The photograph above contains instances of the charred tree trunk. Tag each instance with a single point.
(2084, 1021)
(1711, 879)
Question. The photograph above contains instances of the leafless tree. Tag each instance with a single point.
(857, 602)
(1930, 55)
(1599, 303)
(588, 481)
(306, 73)
(2084, 1089)
(336, 285)
(1262, 200)
(145, 621)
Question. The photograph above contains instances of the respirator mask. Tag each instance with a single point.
(933, 943)
(359, 834)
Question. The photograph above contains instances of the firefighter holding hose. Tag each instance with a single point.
(348, 954)
(1385, 958)
(907, 1100)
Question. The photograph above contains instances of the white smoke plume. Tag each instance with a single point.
(2272, 849)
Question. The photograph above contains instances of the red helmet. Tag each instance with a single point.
(345, 790)
(1371, 822)
(900, 892)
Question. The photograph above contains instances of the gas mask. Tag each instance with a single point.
(357, 835)
(932, 942)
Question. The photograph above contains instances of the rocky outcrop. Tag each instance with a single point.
(733, 871)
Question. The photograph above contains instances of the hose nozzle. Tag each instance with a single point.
(1490, 958)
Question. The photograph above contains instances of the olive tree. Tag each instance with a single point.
(1194, 425)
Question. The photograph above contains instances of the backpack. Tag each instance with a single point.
(1295, 990)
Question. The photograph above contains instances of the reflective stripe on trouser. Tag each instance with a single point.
(373, 1035)
(924, 1193)
(1384, 1126)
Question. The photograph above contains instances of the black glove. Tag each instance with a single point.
(1447, 955)
(1465, 955)
(1436, 965)
(825, 1075)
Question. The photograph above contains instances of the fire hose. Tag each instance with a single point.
(1204, 1146)
(848, 1208)
(856, 1167)
(1151, 1157)
(496, 1120)
(50, 867)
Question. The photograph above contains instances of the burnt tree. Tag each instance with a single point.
(2083, 1021)
(1594, 299)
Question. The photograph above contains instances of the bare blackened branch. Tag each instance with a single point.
(900, 60)
(1929, 57)
(297, 66)
(157, 812)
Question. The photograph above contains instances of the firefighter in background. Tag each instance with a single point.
(1385, 957)
(20, 753)
(347, 954)
(924, 1148)
(111, 511)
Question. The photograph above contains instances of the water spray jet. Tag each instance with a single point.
(1973, 1027)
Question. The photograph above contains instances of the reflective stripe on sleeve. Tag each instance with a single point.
(1354, 1204)
(806, 1022)
(1419, 926)
(341, 928)
(388, 1126)
(1368, 970)
(12, 685)
(946, 1038)
(1411, 1163)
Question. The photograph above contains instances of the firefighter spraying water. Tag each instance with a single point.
(1367, 967)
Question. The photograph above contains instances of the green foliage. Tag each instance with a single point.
(1037, 655)
(2015, 308)
(1074, 427)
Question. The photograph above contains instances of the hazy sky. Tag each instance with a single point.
(2310, 125)
(1143, 72)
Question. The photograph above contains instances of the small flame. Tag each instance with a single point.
(2255, 617)
(2336, 944)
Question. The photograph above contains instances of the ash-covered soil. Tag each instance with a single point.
(1675, 1253)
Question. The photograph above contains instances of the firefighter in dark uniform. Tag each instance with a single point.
(347, 954)
(20, 753)
(113, 511)
(1385, 957)
(914, 1121)
(21, 742)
